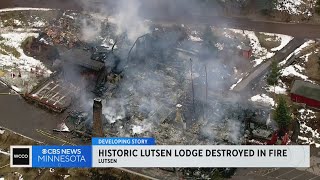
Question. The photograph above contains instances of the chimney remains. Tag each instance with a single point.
(97, 130)
(179, 117)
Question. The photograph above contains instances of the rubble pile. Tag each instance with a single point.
(63, 31)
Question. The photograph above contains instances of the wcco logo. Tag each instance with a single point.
(20, 156)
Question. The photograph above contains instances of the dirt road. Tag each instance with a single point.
(263, 68)
(297, 30)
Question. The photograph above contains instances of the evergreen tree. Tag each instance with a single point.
(274, 74)
(318, 7)
(209, 38)
(266, 6)
(216, 175)
(282, 114)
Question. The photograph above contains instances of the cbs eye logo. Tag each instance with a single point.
(20, 156)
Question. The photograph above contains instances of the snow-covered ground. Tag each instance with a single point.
(297, 70)
(30, 20)
(297, 51)
(294, 70)
(261, 53)
(4, 152)
(284, 39)
(234, 85)
(296, 7)
(308, 135)
(137, 129)
(194, 36)
(20, 176)
(281, 88)
(11, 66)
(24, 9)
(264, 99)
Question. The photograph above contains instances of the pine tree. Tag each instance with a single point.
(216, 175)
(209, 38)
(274, 74)
(318, 7)
(282, 114)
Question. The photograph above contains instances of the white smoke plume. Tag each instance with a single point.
(124, 14)
(129, 21)
(90, 30)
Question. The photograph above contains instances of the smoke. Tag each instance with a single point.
(157, 75)
(114, 110)
(122, 13)
(128, 20)
(90, 29)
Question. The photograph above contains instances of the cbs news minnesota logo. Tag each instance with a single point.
(20, 156)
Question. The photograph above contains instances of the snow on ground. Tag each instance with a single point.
(19, 175)
(220, 46)
(71, 16)
(14, 65)
(5, 153)
(63, 127)
(260, 53)
(263, 98)
(281, 88)
(14, 39)
(294, 70)
(297, 51)
(24, 9)
(195, 38)
(17, 22)
(308, 135)
(295, 7)
(306, 56)
(38, 23)
(284, 39)
(137, 129)
(314, 136)
(234, 85)
(16, 88)
(306, 114)
(308, 141)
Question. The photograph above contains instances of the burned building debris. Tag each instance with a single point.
(163, 85)
(148, 87)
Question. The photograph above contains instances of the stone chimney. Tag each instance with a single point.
(97, 130)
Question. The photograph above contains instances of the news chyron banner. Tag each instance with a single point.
(51, 156)
(143, 152)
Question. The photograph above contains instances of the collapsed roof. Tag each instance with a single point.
(306, 89)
